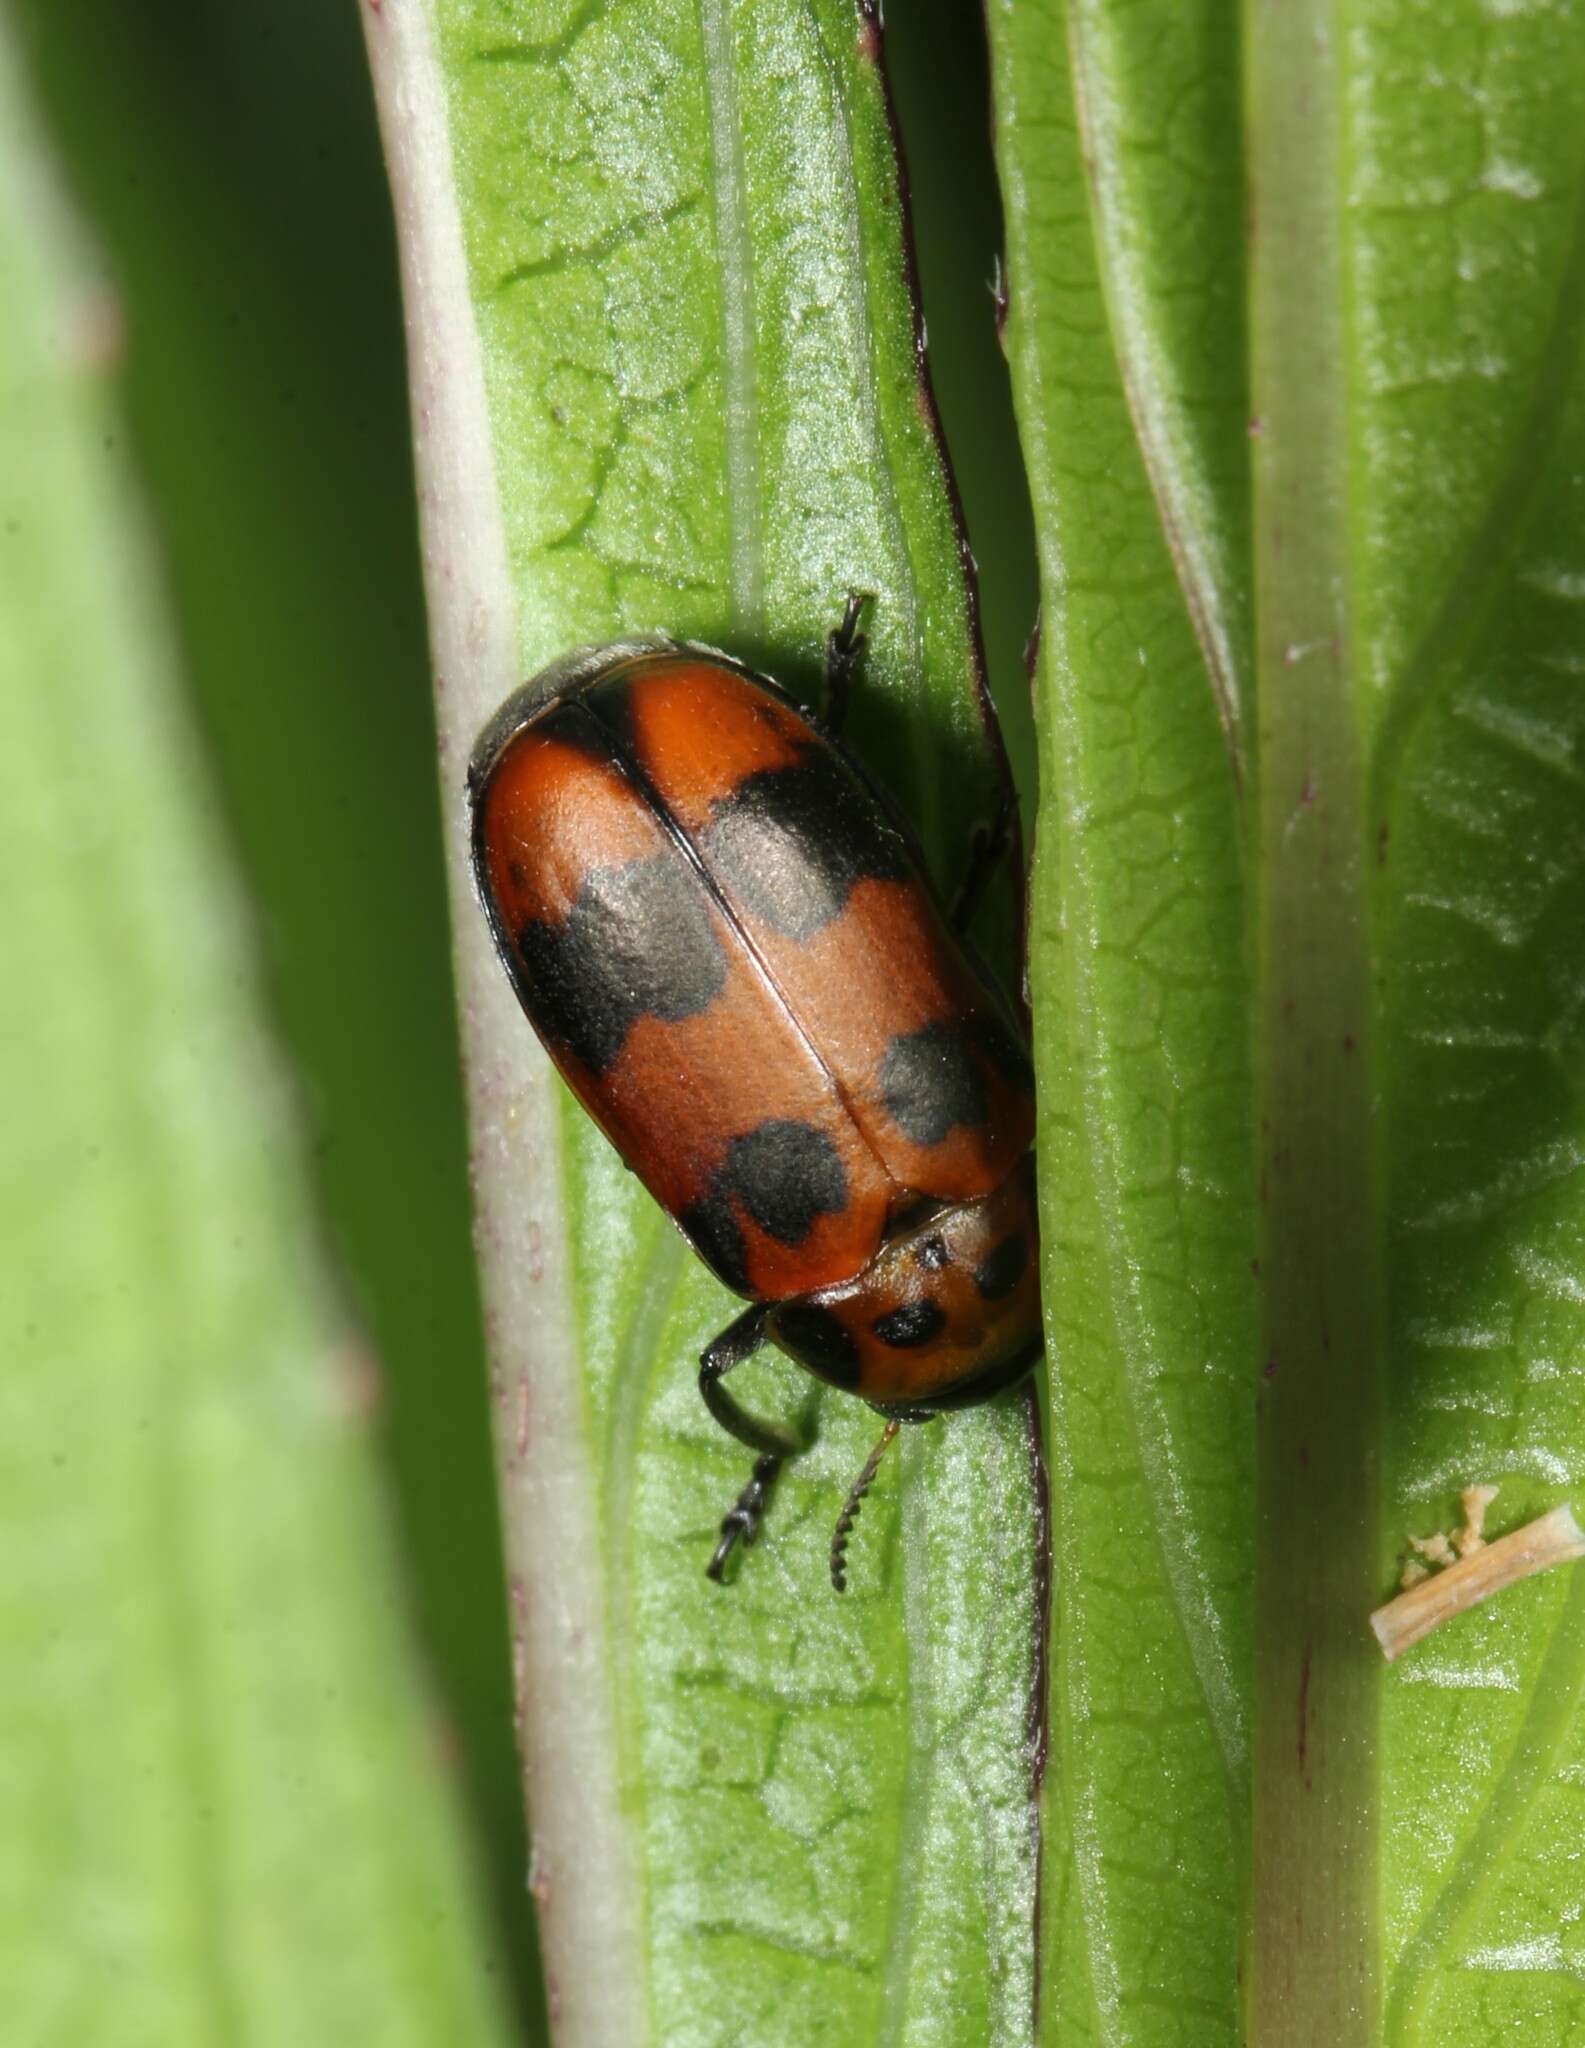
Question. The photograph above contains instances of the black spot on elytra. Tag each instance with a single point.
(712, 1229)
(638, 942)
(915, 1323)
(609, 702)
(788, 844)
(785, 1175)
(930, 1084)
(1000, 1271)
(570, 725)
(819, 1340)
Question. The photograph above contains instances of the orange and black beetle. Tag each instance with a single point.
(731, 948)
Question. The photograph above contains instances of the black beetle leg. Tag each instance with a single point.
(844, 645)
(990, 847)
(740, 1340)
(741, 1521)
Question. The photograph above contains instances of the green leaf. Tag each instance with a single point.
(208, 1698)
(264, 396)
(665, 376)
(1308, 900)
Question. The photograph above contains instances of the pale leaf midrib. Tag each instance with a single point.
(592, 1932)
(1312, 1974)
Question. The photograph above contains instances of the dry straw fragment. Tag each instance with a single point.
(1434, 1549)
(1472, 1537)
(1486, 1569)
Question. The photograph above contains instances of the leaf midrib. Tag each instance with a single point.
(1312, 1979)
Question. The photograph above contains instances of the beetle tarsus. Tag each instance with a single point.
(844, 645)
(850, 1507)
(741, 1522)
(991, 844)
(739, 1340)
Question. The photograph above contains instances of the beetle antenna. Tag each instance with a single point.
(850, 1507)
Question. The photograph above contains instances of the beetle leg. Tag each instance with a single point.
(843, 647)
(990, 847)
(740, 1340)
(741, 1521)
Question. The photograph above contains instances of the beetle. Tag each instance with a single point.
(730, 945)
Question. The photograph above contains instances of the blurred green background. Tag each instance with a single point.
(227, 163)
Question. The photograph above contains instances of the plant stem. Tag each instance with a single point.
(1313, 1964)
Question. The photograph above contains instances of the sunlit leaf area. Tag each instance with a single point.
(1200, 386)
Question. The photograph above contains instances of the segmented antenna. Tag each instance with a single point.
(850, 1508)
